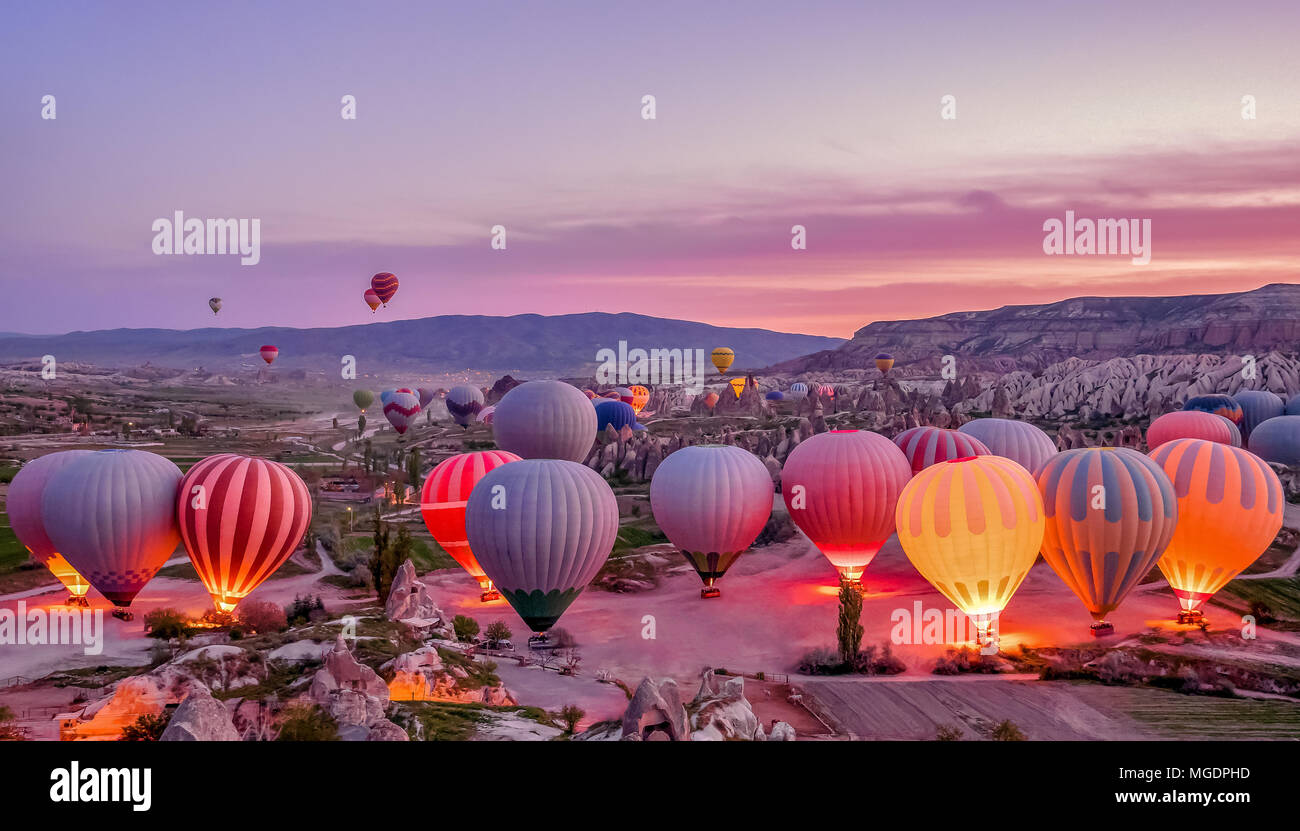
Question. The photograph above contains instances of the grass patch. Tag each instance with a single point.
(449, 721)
(1276, 597)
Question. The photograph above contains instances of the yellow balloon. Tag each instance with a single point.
(722, 358)
(737, 386)
(972, 527)
(640, 397)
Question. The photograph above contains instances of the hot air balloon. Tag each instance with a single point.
(372, 299)
(775, 395)
(1224, 405)
(268, 353)
(591, 394)
(722, 358)
(924, 446)
(384, 284)
(1277, 440)
(486, 414)
(1293, 405)
(614, 394)
(541, 529)
(711, 400)
(442, 504)
(798, 390)
(402, 408)
(116, 513)
(23, 504)
(1019, 441)
(463, 402)
(973, 527)
(711, 500)
(1192, 424)
(426, 396)
(547, 420)
(385, 395)
(363, 399)
(640, 397)
(840, 488)
(1230, 506)
(240, 518)
(1257, 406)
(1110, 514)
(884, 362)
(826, 391)
(214, 303)
(737, 386)
(614, 414)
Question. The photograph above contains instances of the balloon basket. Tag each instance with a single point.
(540, 642)
(1102, 629)
(123, 614)
(78, 600)
(489, 595)
(1193, 617)
(710, 591)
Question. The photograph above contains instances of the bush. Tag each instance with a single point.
(166, 623)
(949, 733)
(146, 728)
(570, 715)
(466, 628)
(307, 723)
(263, 616)
(1007, 731)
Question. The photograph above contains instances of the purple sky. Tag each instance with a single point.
(528, 115)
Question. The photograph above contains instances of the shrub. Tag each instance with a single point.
(307, 723)
(263, 616)
(166, 623)
(466, 628)
(570, 715)
(948, 733)
(147, 728)
(1007, 731)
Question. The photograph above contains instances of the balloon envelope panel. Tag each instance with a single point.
(545, 420)
(1019, 441)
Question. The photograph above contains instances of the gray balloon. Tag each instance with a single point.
(545, 420)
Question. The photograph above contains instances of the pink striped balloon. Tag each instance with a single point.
(401, 409)
(924, 446)
(1192, 424)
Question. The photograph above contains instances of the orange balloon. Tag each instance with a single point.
(1230, 507)
(640, 397)
(737, 386)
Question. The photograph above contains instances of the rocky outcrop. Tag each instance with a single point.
(351, 692)
(200, 718)
(410, 602)
(656, 713)
(722, 713)
(421, 676)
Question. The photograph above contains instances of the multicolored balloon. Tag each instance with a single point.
(973, 528)
(1111, 513)
(1277, 440)
(1230, 505)
(268, 353)
(372, 299)
(1018, 441)
(722, 358)
(240, 519)
(1224, 405)
(116, 514)
(640, 397)
(840, 489)
(925, 446)
(384, 284)
(1192, 424)
(23, 504)
(463, 403)
(363, 399)
(402, 408)
(547, 420)
(884, 362)
(442, 504)
(711, 501)
(541, 529)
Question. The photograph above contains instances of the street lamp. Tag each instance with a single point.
(349, 519)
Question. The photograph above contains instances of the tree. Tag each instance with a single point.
(849, 630)
(413, 468)
(570, 715)
(948, 733)
(1007, 731)
(497, 632)
(384, 560)
(147, 728)
(361, 429)
(466, 628)
(263, 616)
(166, 623)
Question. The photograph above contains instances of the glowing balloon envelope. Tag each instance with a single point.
(1277, 440)
(363, 399)
(541, 529)
(442, 504)
(1230, 505)
(116, 513)
(840, 489)
(23, 504)
(402, 408)
(1111, 513)
(384, 285)
(640, 397)
(1019, 441)
(463, 403)
(240, 519)
(268, 353)
(711, 501)
(973, 527)
(546, 420)
(1224, 405)
(722, 358)
(1192, 424)
(925, 446)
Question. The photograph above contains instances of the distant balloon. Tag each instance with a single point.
(1111, 513)
(924, 446)
(1257, 406)
(884, 362)
(591, 394)
(1018, 441)
(541, 529)
(826, 391)
(737, 386)
(268, 353)
(625, 395)
(23, 504)
(1224, 405)
(214, 303)
(240, 519)
(722, 358)
(840, 489)
(798, 390)
(711, 400)
(116, 514)
(1192, 424)
(463, 402)
(547, 420)
(640, 397)
(363, 399)
(443, 500)
(972, 527)
(372, 299)
(402, 408)
(1230, 505)
(615, 414)
(711, 501)
(426, 396)
(385, 395)
(775, 395)
(486, 415)
(1277, 440)
(384, 284)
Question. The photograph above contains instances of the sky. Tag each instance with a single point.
(529, 116)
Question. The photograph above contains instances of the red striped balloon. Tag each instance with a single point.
(1192, 424)
(924, 446)
(385, 285)
(401, 408)
(443, 500)
(240, 519)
